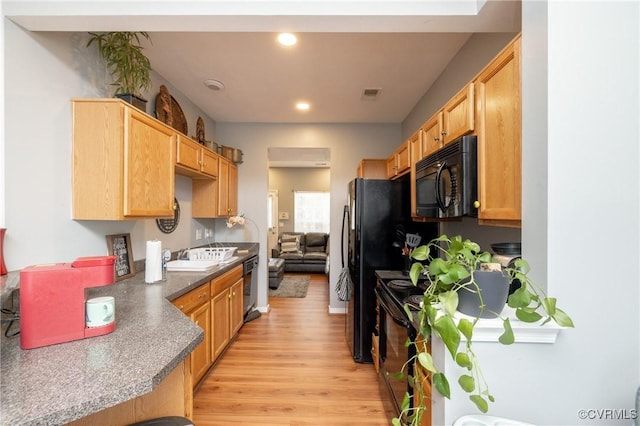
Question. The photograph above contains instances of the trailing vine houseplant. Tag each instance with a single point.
(449, 266)
(130, 68)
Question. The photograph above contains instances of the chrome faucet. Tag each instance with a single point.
(183, 254)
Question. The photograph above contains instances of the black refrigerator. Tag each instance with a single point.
(375, 211)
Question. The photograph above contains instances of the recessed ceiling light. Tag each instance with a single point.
(287, 39)
(214, 84)
(303, 106)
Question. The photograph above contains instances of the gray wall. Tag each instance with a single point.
(348, 144)
(287, 180)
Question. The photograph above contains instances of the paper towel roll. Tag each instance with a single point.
(153, 262)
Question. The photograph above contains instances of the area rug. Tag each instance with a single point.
(292, 286)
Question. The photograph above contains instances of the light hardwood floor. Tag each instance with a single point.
(291, 367)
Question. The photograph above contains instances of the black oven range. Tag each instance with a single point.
(393, 326)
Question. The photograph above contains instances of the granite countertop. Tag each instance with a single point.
(64, 382)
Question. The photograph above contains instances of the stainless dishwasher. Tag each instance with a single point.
(250, 286)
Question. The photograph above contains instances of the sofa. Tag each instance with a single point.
(303, 252)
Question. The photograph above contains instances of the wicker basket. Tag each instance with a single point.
(212, 253)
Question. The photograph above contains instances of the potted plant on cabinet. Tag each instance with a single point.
(127, 64)
(453, 269)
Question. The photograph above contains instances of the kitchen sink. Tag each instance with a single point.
(191, 265)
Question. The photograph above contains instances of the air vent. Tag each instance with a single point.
(370, 94)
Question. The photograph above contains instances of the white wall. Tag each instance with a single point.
(581, 191)
(348, 144)
(44, 71)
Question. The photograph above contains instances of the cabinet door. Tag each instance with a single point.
(204, 198)
(223, 187)
(149, 162)
(220, 312)
(403, 155)
(201, 355)
(188, 153)
(432, 135)
(499, 138)
(236, 314)
(209, 162)
(458, 114)
(392, 166)
(232, 190)
(372, 169)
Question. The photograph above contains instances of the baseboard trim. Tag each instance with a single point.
(337, 311)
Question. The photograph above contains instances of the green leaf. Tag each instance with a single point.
(441, 384)
(522, 265)
(462, 359)
(449, 300)
(448, 332)
(415, 272)
(507, 337)
(562, 319)
(396, 422)
(438, 266)
(527, 315)
(550, 305)
(406, 400)
(482, 405)
(458, 272)
(466, 328)
(407, 310)
(420, 253)
(397, 376)
(426, 361)
(519, 298)
(467, 383)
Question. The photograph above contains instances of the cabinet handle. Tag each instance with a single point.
(229, 295)
(476, 204)
(443, 133)
(436, 139)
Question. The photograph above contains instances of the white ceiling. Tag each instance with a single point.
(343, 47)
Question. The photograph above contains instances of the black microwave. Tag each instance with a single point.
(446, 181)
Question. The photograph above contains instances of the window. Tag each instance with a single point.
(311, 211)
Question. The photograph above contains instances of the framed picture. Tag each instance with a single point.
(120, 245)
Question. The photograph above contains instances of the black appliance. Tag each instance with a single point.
(250, 283)
(394, 329)
(375, 208)
(446, 181)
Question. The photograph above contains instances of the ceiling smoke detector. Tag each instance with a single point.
(370, 94)
(214, 85)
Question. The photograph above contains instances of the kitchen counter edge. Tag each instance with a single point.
(68, 381)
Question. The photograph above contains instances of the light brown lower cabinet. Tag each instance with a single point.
(226, 309)
(197, 306)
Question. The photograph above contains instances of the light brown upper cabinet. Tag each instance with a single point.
(416, 143)
(372, 169)
(399, 162)
(498, 114)
(227, 188)
(431, 135)
(455, 119)
(458, 115)
(195, 160)
(123, 162)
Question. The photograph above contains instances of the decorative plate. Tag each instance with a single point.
(168, 111)
(169, 225)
